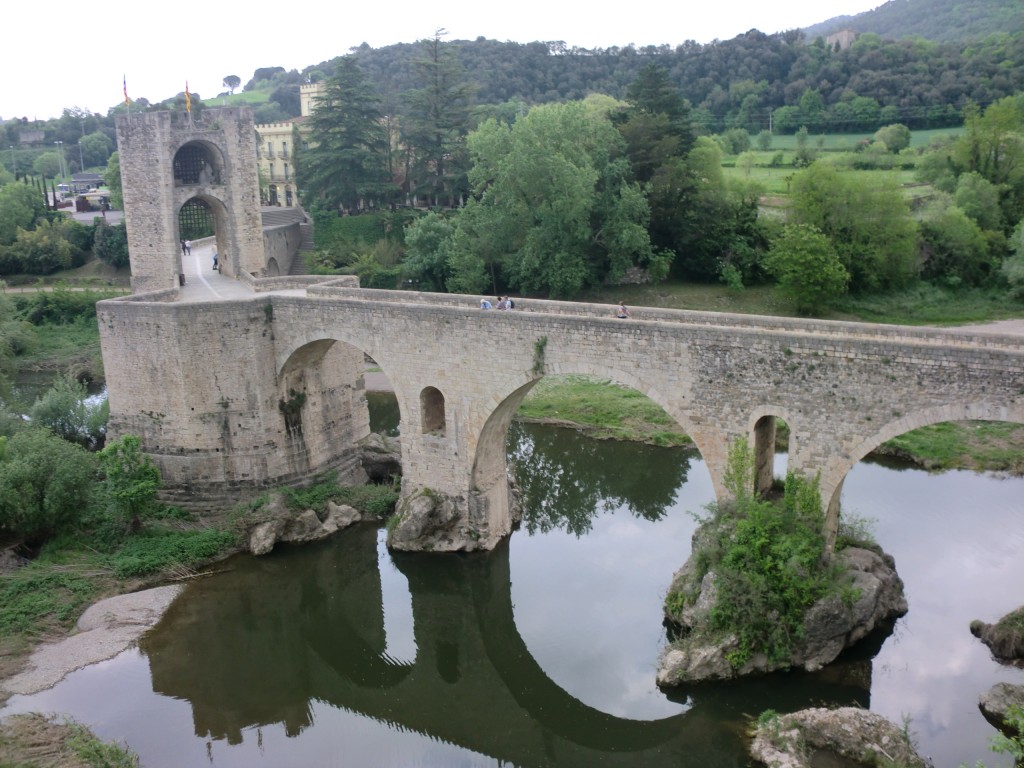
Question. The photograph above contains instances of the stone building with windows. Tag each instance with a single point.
(276, 151)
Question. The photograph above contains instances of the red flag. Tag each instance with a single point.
(188, 99)
(125, 80)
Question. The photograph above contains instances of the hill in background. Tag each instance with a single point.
(940, 20)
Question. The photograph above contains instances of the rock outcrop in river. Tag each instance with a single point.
(278, 523)
(799, 739)
(1005, 638)
(873, 600)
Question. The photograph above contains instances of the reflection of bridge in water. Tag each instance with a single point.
(271, 645)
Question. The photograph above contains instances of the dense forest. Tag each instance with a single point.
(754, 81)
(938, 20)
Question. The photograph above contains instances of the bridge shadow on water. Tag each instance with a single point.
(261, 644)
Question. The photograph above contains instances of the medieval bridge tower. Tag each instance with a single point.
(184, 172)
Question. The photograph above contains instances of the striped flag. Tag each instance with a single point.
(124, 79)
(188, 99)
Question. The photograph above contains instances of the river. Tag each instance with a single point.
(543, 651)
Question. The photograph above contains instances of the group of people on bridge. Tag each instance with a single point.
(500, 302)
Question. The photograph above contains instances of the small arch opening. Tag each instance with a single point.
(195, 163)
(765, 432)
(196, 220)
(432, 411)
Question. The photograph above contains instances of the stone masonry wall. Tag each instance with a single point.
(841, 395)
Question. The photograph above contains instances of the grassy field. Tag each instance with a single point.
(922, 304)
(845, 142)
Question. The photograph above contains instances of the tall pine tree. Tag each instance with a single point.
(346, 163)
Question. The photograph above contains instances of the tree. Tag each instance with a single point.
(426, 251)
(64, 409)
(131, 481)
(553, 204)
(979, 199)
(20, 207)
(807, 268)
(953, 248)
(42, 250)
(868, 222)
(96, 148)
(895, 137)
(110, 244)
(345, 164)
(47, 164)
(1013, 267)
(654, 93)
(45, 484)
(112, 178)
(231, 82)
(438, 121)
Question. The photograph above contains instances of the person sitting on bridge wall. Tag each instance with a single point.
(485, 304)
(621, 312)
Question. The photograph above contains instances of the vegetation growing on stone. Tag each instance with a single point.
(767, 558)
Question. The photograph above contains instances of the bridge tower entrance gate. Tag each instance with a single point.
(205, 161)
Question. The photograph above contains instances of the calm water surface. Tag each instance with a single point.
(543, 652)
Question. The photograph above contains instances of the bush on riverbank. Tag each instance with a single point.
(38, 740)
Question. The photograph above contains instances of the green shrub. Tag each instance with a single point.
(375, 500)
(33, 598)
(60, 306)
(152, 552)
(46, 484)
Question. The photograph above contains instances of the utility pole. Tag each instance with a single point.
(81, 162)
(60, 156)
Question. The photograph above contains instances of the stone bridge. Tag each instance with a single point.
(260, 382)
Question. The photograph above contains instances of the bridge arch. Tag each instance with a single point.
(489, 470)
(761, 431)
(322, 400)
(839, 467)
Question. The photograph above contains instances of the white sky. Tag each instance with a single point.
(75, 55)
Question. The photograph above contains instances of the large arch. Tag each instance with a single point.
(839, 466)
(322, 401)
(489, 471)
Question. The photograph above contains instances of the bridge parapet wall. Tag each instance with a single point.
(841, 329)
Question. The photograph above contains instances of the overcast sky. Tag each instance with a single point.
(66, 55)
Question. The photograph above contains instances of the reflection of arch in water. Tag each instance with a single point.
(279, 633)
(839, 467)
(547, 708)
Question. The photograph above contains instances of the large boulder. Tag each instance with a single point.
(1005, 638)
(380, 457)
(276, 522)
(874, 599)
(801, 739)
(996, 702)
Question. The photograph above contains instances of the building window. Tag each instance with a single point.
(271, 170)
(286, 171)
(284, 149)
(270, 149)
